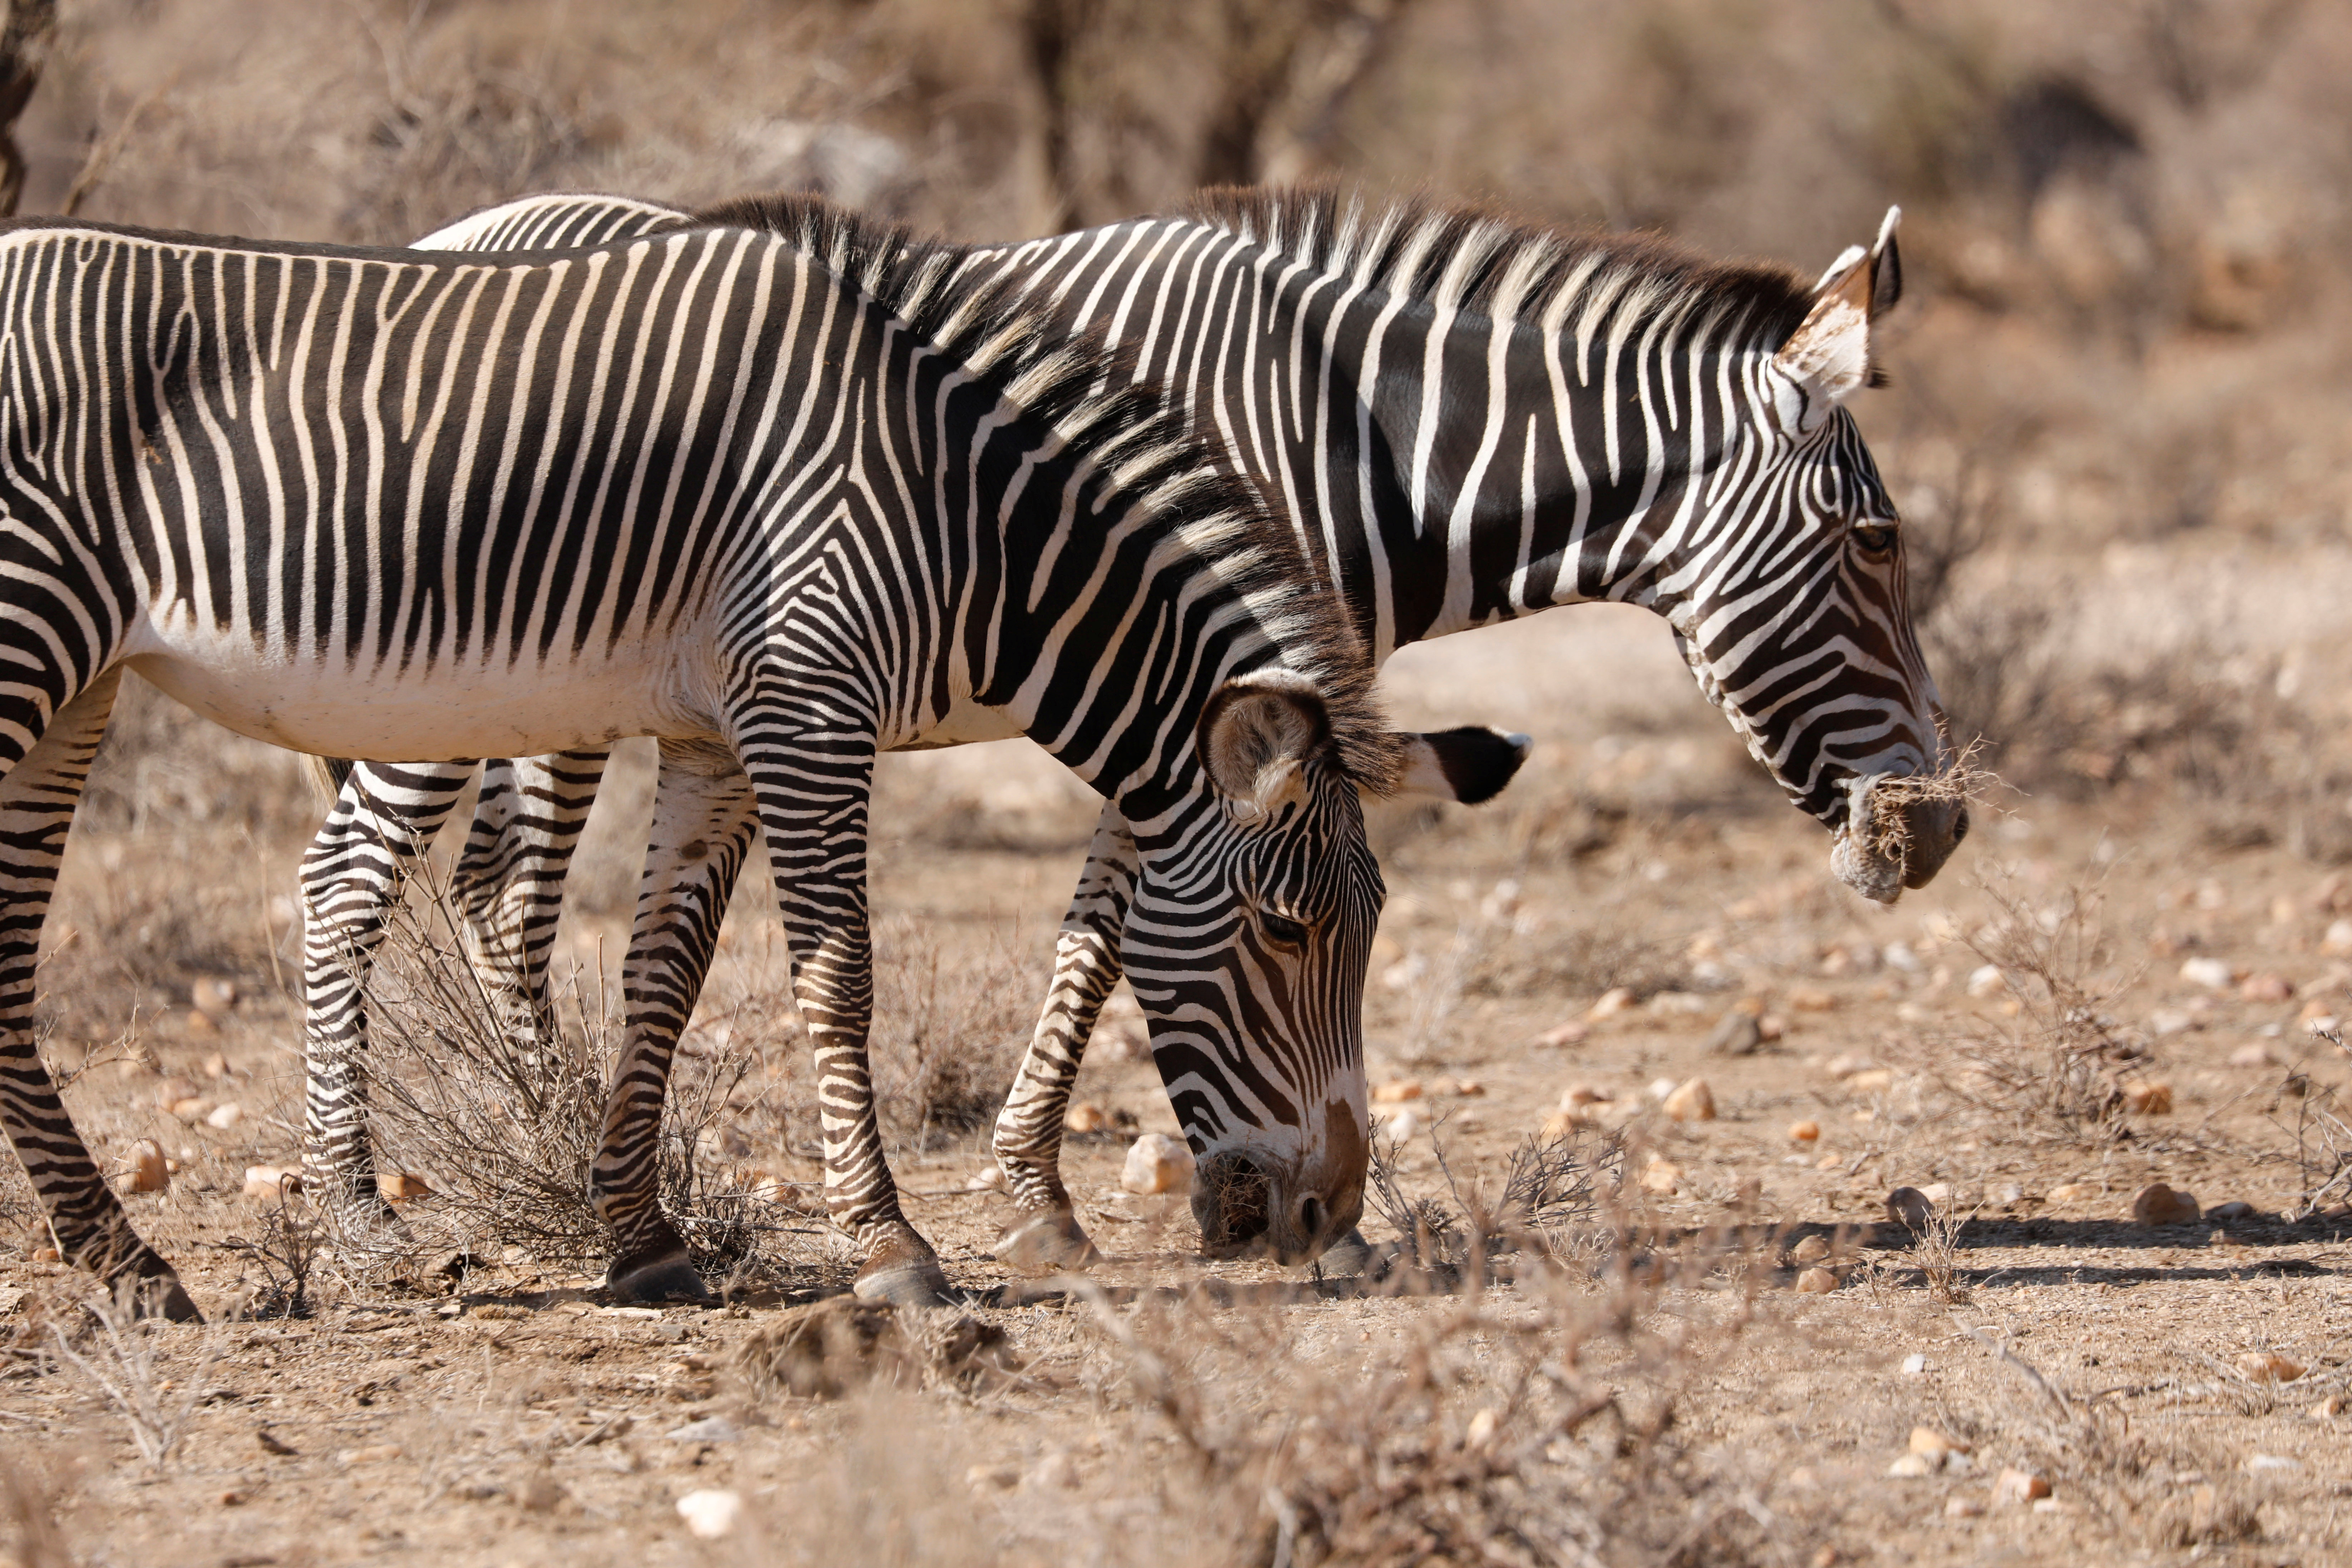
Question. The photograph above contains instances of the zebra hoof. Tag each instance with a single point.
(906, 1281)
(663, 1275)
(1046, 1243)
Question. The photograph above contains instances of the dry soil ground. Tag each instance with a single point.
(2137, 1369)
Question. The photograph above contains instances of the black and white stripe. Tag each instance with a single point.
(780, 495)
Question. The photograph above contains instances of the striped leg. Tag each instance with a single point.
(812, 786)
(701, 831)
(1029, 1130)
(510, 880)
(36, 810)
(383, 820)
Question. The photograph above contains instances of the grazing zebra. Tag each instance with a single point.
(1468, 420)
(777, 500)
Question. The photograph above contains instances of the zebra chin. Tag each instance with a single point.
(1897, 834)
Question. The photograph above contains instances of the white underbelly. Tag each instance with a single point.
(419, 714)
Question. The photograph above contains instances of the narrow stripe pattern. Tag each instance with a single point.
(784, 492)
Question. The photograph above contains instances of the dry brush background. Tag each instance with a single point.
(2118, 427)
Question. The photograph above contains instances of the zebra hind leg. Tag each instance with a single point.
(701, 832)
(508, 883)
(36, 810)
(1045, 1234)
(382, 821)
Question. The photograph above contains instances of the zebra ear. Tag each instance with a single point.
(1827, 360)
(1254, 734)
(1470, 765)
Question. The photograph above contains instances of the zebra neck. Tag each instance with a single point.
(1442, 468)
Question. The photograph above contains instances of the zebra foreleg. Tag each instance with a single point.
(701, 832)
(37, 811)
(1045, 1234)
(510, 880)
(382, 822)
(812, 792)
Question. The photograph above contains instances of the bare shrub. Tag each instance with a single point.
(824, 1350)
(2323, 1143)
(950, 1029)
(508, 1123)
(1551, 1187)
(2056, 1073)
(284, 1253)
(120, 1356)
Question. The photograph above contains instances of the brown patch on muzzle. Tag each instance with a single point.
(1232, 1202)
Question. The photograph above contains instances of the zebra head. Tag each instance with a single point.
(1248, 943)
(1795, 620)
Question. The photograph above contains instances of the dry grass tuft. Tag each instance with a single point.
(824, 1350)
(950, 1029)
(119, 1354)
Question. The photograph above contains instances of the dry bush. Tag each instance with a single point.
(1549, 1204)
(826, 1349)
(2323, 1142)
(505, 1125)
(2056, 1073)
(949, 1028)
(284, 1252)
(119, 1354)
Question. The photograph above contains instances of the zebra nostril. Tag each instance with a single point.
(1960, 825)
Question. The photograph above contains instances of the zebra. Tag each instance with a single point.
(778, 493)
(1468, 419)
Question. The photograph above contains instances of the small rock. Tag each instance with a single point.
(1480, 1433)
(2211, 972)
(1986, 980)
(225, 1115)
(2329, 1408)
(1963, 1508)
(2264, 1366)
(1579, 1097)
(2016, 1487)
(2338, 941)
(192, 1108)
(2235, 1209)
(200, 1025)
(2149, 1099)
(270, 1182)
(1911, 1466)
(2072, 1193)
(1564, 1035)
(1810, 999)
(1771, 1026)
(400, 1186)
(2257, 1055)
(1816, 1282)
(213, 996)
(987, 1179)
(2159, 1204)
(1830, 1162)
(538, 1493)
(1469, 1088)
(2009, 1193)
(1157, 1164)
(1914, 1365)
(1805, 1131)
(2275, 1464)
(47, 1255)
(1928, 1440)
(1396, 1091)
(215, 1066)
(1738, 1035)
(1938, 1192)
(2167, 1021)
(1694, 1101)
(2266, 988)
(710, 1514)
(1909, 1207)
(151, 1171)
(1618, 999)
(1086, 1117)
(1813, 1249)
(993, 1478)
(1848, 1063)
(2052, 1505)
(1660, 1087)
(709, 1429)
(1663, 1177)
(1875, 1080)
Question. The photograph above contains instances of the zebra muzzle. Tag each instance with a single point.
(1898, 832)
(1233, 1202)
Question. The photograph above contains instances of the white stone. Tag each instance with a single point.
(1157, 1164)
(225, 1115)
(1986, 980)
(1915, 1365)
(709, 1429)
(710, 1514)
(2211, 972)
(987, 1179)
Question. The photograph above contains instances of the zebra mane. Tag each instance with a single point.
(1147, 449)
(1473, 259)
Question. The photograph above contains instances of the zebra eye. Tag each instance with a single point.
(1875, 538)
(1281, 929)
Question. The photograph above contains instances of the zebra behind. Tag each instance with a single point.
(1466, 420)
(776, 504)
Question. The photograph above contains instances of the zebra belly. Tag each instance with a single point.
(424, 712)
